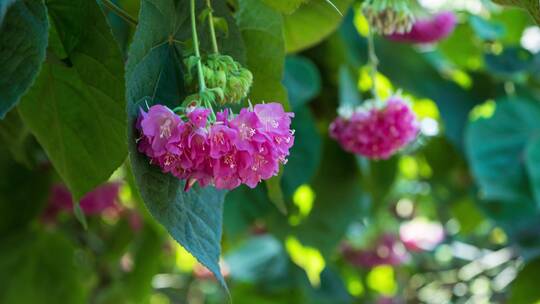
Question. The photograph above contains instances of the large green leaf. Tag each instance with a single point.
(18, 206)
(76, 107)
(243, 207)
(305, 154)
(524, 289)
(38, 267)
(23, 41)
(4, 5)
(532, 158)
(302, 80)
(532, 6)
(155, 75)
(258, 259)
(285, 6)
(496, 150)
(17, 138)
(312, 22)
(261, 28)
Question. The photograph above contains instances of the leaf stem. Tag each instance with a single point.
(373, 62)
(119, 12)
(212, 29)
(202, 85)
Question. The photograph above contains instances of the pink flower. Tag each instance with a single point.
(198, 117)
(222, 139)
(95, 202)
(430, 30)
(158, 126)
(387, 250)
(376, 133)
(242, 149)
(274, 120)
(420, 234)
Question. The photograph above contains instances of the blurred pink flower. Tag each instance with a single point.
(95, 202)
(429, 30)
(386, 251)
(202, 273)
(420, 234)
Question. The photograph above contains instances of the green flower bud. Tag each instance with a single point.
(226, 78)
(389, 16)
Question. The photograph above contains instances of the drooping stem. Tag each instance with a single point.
(373, 63)
(211, 25)
(202, 85)
(119, 12)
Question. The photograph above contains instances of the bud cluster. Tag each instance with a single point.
(224, 76)
(389, 16)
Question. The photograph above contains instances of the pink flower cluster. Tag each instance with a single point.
(429, 30)
(377, 133)
(95, 202)
(387, 250)
(243, 149)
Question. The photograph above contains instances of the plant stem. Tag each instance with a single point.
(373, 63)
(119, 12)
(212, 29)
(202, 85)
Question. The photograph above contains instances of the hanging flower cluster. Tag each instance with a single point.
(223, 75)
(227, 152)
(389, 16)
(220, 149)
(376, 132)
(429, 30)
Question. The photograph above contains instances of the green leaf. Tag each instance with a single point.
(486, 29)
(39, 267)
(17, 138)
(243, 207)
(261, 28)
(155, 75)
(275, 193)
(311, 23)
(466, 54)
(514, 21)
(302, 80)
(524, 289)
(285, 6)
(23, 41)
(305, 156)
(532, 159)
(532, 6)
(18, 206)
(75, 108)
(349, 95)
(259, 259)
(513, 63)
(4, 5)
(496, 150)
